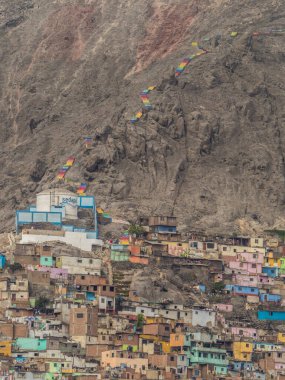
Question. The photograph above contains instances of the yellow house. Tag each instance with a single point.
(165, 346)
(152, 338)
(242, 351)
(5, 348)
(281, 337)
(272, 261)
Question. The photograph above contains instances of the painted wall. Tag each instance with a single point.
(266, 315)
(46, 261)
(76, 239)
(31, 344)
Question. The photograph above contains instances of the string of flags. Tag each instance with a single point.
(182, 66)
(144, 95)
(82, 189)
(64, 169)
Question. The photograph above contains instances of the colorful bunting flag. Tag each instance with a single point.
(63, 170)
(82, 189)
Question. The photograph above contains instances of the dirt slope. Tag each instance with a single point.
(212, 149)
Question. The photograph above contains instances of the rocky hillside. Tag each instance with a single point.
(212, 149)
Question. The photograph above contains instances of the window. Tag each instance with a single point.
(103, 337)
(247, 345)
(104, 287)
(253, 265)
(46, 259)
(205, 355)
(251, 279)
(111, 288)
(82, 277)
(79, 261)
(21, 283)
(252, 290)
(254, 255)
(172, 358)
(224, 249)
(256, 241)
(166, 328)
(36, 354)
(279, 355)
(79, 315)
(102, 299)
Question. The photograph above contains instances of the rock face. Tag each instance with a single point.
(212, 149)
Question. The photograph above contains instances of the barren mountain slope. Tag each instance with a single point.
(212, 149)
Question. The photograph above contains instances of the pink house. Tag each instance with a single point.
(246, 332)
(256, 257)
(245, 280)
(55, 273)
(223, 307)
(243, 267)
(264, 279)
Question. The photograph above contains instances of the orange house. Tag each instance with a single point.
(5, 348)
(177, 340)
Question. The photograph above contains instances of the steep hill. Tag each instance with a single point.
(212, 149)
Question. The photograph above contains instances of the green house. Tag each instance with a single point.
(31, 344)
(210, 355)
(46, 261)
(282, 266)
(54, 367)
(122, 255)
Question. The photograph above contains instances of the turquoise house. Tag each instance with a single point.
(210, 355)
(46, 261)
(268, 315)
(31, 344)
(2, 261)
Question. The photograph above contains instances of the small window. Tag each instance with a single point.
(252, 290)
(79, 261)
(79, 315)
(256, 241)
(279, 355)
(253, 265)
(111, 288)
(224, 249)
(90, 261)
(82, 277)
(247, 345)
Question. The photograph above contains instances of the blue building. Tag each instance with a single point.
(242, 290)
(56, 206)
(2, 260)
(271, 271)
(267, 315)
(270, 297)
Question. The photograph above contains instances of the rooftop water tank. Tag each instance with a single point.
(49, 200)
